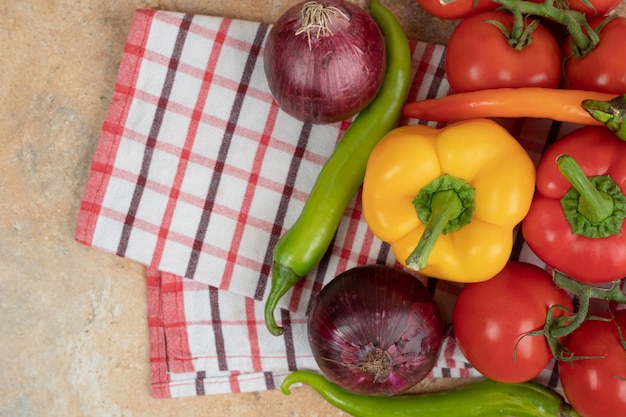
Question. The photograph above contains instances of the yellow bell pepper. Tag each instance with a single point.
(448, 200)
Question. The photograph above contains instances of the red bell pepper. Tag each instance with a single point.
(576, 220)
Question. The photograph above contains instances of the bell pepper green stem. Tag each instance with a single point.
(612, 113)
(445, 205)
(594, 204)
(302, 247)
(482, 398)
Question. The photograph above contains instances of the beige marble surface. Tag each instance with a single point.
(73, 338)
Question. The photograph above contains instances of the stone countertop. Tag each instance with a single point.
(74, 336)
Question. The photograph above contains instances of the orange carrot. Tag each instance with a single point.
(533, 102)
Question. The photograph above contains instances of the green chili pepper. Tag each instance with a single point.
(304, 245)
(612, 113)
(484, 398)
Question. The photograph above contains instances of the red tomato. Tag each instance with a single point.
(456, 9)
(600, 7)
(478, 56)
(490, 319)
(604, 68)
(597, 387)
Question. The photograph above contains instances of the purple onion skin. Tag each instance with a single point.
(380, 311)
(333, 79)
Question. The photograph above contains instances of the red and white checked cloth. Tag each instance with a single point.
(197, 173)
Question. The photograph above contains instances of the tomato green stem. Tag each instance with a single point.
(611, 112)
(557, 328)
(585, 293)
(584, 38)
(520, 35)
(482, 398)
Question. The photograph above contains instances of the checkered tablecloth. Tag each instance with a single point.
(197, 173)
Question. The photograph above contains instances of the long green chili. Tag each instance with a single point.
(478, 399)
(300, 249)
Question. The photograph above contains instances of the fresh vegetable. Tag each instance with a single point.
(583, 37)
(603, 68)
(591, 46)
(478, 399)
(576, 220)
(484, 51)
(610, 112)
(447, 199)
(493, 322)
(543, 103)
(558, 326)
(595, 384)
(301, 248)
(324, 61)
(375, 330)
(456, 9)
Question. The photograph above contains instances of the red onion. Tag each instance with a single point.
(375, 330)
(324, 61)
